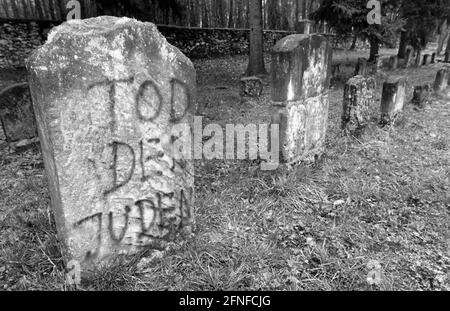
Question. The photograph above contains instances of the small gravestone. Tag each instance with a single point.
(441, 81)
(419, 58)
(361, 67)
(421, 95)
(393, 62)
(447, 57)
(301, 71)
(251, 86)
(393, 98)
(16, 113)
(336, 70)
(433, 58)
(113, 100)
(359, 95)
(408, 57)
(426, 59)
(304, 26)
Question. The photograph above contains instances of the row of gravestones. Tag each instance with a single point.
(359, 96)
(363, 67)
(112, 99)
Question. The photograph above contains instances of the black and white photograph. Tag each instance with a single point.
(200, 147)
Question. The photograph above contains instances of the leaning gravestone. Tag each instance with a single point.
(301, 70)
(111, 97)
(408, 57)
(359, 95)
(392, 98)
(16, 113)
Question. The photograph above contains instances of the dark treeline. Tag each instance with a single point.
(276, 14)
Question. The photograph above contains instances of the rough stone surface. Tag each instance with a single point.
(251, 86)
(301, 67)
(421, 95)
(108, 93)
(303, 126)
(359, 95)
(441, 81)
(447, 57)
(301, 71)
(393, 98)
(16, 113)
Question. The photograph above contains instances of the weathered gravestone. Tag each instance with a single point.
(392, 98)
(426, 59)
(301, 70)
(361, 67)
(251, 86)
(16, 113)
(304, 26)
(393, 62)
(419, 59)
(111, 97)
(421, 95)
(408, 57)
(359, 95)
(441, 81)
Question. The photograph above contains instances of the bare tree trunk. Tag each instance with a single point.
(273, 14)
(374, 48)
(256, 58)
(231, 13)
(247, 14)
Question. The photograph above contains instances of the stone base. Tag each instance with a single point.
(303, 126)
(251, 86)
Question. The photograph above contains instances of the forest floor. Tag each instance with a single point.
(383, 198)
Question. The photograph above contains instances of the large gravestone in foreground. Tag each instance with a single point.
(108, 95)
(301, 71)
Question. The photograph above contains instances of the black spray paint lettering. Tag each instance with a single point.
(112, 96)
(115, 153)
(158, 209)
(177, 110)
(99, 218)
(130, 163)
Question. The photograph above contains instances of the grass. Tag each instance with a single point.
(383, 197)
